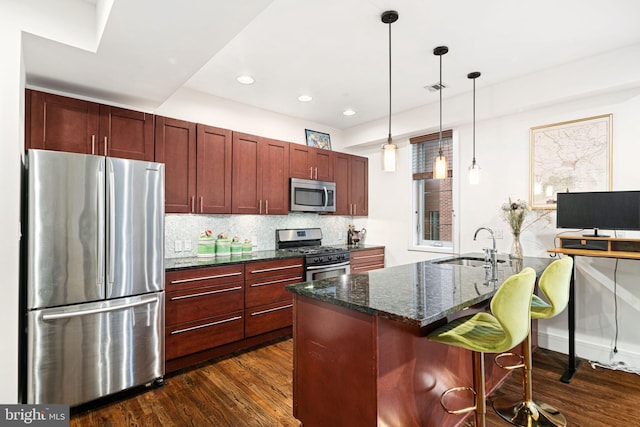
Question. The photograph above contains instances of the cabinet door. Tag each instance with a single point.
(246, 185)
(126, 134)
(213, 184)
(341, 177)
(275, 177)
(62, 124)
(323, 165)
(176, 148)
(300, 161)
(359, 185)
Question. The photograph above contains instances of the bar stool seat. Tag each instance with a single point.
(506, 326)
(554, 284)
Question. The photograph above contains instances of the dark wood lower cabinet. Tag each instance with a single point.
(217, 310)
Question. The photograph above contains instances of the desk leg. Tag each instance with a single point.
(572, 365)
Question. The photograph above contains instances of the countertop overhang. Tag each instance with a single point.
(418, 294)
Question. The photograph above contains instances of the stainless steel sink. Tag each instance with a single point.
(466, 261)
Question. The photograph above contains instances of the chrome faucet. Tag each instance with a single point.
(490, 255)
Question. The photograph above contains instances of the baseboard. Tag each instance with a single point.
(591, 351)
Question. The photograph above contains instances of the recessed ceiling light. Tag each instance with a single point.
(245, 80)
(304, 98)
(348, 112)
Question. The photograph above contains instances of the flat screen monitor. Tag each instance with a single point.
(606, 210)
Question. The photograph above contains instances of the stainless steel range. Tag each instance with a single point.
(320, 261)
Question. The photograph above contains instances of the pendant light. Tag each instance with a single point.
(474, 169)
(440, 163)
(389, 150)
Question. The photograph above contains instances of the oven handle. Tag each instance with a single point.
(342, 264)
(326, 193)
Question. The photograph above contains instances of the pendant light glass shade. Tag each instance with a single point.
(474, 174)
(389, 157)
(389, 150)
(440, 168)
(474, 169)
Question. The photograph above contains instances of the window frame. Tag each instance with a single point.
(418, 244)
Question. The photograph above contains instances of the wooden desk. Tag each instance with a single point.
(598, 247)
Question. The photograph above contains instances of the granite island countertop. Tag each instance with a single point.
(417, 294)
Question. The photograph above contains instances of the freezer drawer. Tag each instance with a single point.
(82, 352)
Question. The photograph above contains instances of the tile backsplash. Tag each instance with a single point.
(182, 230)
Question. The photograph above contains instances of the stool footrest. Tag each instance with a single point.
(457, 411)
(509, 367)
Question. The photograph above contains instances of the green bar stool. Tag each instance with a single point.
(554, 284)
(496, 332)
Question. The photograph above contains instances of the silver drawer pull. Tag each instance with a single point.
(286, 267)
(237, 288)
(257, 313)
(367, 256)
(206, 325)
(368, 267)
(195, 279)
(277, 281)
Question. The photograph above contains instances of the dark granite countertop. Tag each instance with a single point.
(171, 264)
(417, 294)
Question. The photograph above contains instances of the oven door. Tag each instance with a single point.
(325, 271)
(312, 196)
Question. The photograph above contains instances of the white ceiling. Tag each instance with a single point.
(333, 50)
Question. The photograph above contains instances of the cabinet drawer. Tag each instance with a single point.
(268, 317)
(269, 290)
(191, 337)
(198, 303)
(198, 277)
(366, 260)
(290, 267)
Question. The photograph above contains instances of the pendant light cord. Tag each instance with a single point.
(473, 162)
(440, 139)
(389, 137)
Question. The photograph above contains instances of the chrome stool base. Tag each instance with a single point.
(529, 414)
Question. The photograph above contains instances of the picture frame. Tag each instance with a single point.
(318, 139)
(569, 156)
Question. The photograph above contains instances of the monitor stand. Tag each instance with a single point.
(595, 234)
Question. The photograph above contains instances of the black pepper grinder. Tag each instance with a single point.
(349, 236)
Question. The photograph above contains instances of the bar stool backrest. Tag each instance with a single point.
(511, 307)
(554, 284)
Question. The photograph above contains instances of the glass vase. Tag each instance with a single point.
(516, 247)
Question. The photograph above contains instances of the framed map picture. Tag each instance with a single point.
(569, 156)
(318, 139)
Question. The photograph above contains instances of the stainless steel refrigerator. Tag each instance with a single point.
(94, 286)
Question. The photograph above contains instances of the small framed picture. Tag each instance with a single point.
(318, 139)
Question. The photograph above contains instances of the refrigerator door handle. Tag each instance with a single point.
(111, 227)
(100, 240)
(111, 307)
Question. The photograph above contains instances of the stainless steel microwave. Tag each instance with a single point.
(312, 196)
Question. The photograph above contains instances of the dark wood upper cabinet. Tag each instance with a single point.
(310, 163)
(176, 148)
(126, 134)
(260, 183)
(351, 175)
(60, 123)
(213, 183)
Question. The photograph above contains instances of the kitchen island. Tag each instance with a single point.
(361, 356)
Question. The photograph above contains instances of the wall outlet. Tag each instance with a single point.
(177, 245)
(254, 241)
(187, 245)
(497, 233)
(339, 236)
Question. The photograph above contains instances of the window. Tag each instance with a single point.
(433, 197)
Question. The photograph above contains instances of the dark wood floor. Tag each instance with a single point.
(254, 389)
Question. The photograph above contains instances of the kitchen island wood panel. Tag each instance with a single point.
(361, 356)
